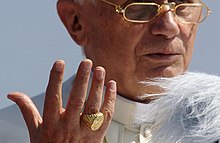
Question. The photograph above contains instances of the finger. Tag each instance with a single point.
(95, 96)
(109, 104)
(53, 98)
(28, 109)
(78, 93)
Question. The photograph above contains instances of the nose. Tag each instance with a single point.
(165, 25)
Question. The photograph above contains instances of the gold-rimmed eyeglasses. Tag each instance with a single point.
(142, 12)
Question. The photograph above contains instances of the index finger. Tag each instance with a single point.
(53, 99)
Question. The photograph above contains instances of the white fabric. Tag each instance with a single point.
(124, 128)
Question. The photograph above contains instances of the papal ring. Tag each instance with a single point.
(93, 121)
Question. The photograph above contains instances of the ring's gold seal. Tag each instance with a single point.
(93, 121)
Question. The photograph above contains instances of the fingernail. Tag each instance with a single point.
(9, 96)
(86, 65)
(112, 85)
(99, 74)
(14, 96)
(59, 66)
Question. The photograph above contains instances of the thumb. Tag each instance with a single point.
(29, 111)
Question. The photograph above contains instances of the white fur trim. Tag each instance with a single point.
(190, 111)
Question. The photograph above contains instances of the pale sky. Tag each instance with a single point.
(32, 38)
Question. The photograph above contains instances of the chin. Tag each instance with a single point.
(170, 72)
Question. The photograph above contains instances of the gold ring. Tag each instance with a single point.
(93, 121)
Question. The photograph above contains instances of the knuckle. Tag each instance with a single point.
(83, 77)
(80, 81)
(53, 87)
(92, 109)
(55, 76)
(108, 114)
(24, 102)
(54, 98)
(99, 88)
(76, 103)
(52, 92)
(111, 101)
(59, 78)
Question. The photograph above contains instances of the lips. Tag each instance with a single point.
(162, 57)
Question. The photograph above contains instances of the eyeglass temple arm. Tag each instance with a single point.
(118, 8)
(209, 10)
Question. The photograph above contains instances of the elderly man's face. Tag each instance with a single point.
(132, 52)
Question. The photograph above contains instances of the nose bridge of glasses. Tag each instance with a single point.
(119, 9)
(167, 6)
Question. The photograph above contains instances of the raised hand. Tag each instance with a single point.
(79, 122)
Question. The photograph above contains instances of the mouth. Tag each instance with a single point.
(162, 58)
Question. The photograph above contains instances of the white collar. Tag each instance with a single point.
(129, 112)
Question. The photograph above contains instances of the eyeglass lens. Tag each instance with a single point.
(191, 13)
(184, 12)
(141, 12)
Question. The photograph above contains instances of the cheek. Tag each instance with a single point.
(188, 35)
(188, 32)
(126, 40)
(118, 41)
(188, 56)
(118, 48)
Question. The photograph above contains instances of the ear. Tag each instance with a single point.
(69, 13)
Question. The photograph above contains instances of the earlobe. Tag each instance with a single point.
(70, 16)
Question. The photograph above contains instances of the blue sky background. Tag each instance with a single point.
(32, 38)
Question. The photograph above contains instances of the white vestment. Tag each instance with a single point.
(191, 116)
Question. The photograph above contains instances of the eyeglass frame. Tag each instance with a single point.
(173, 6)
